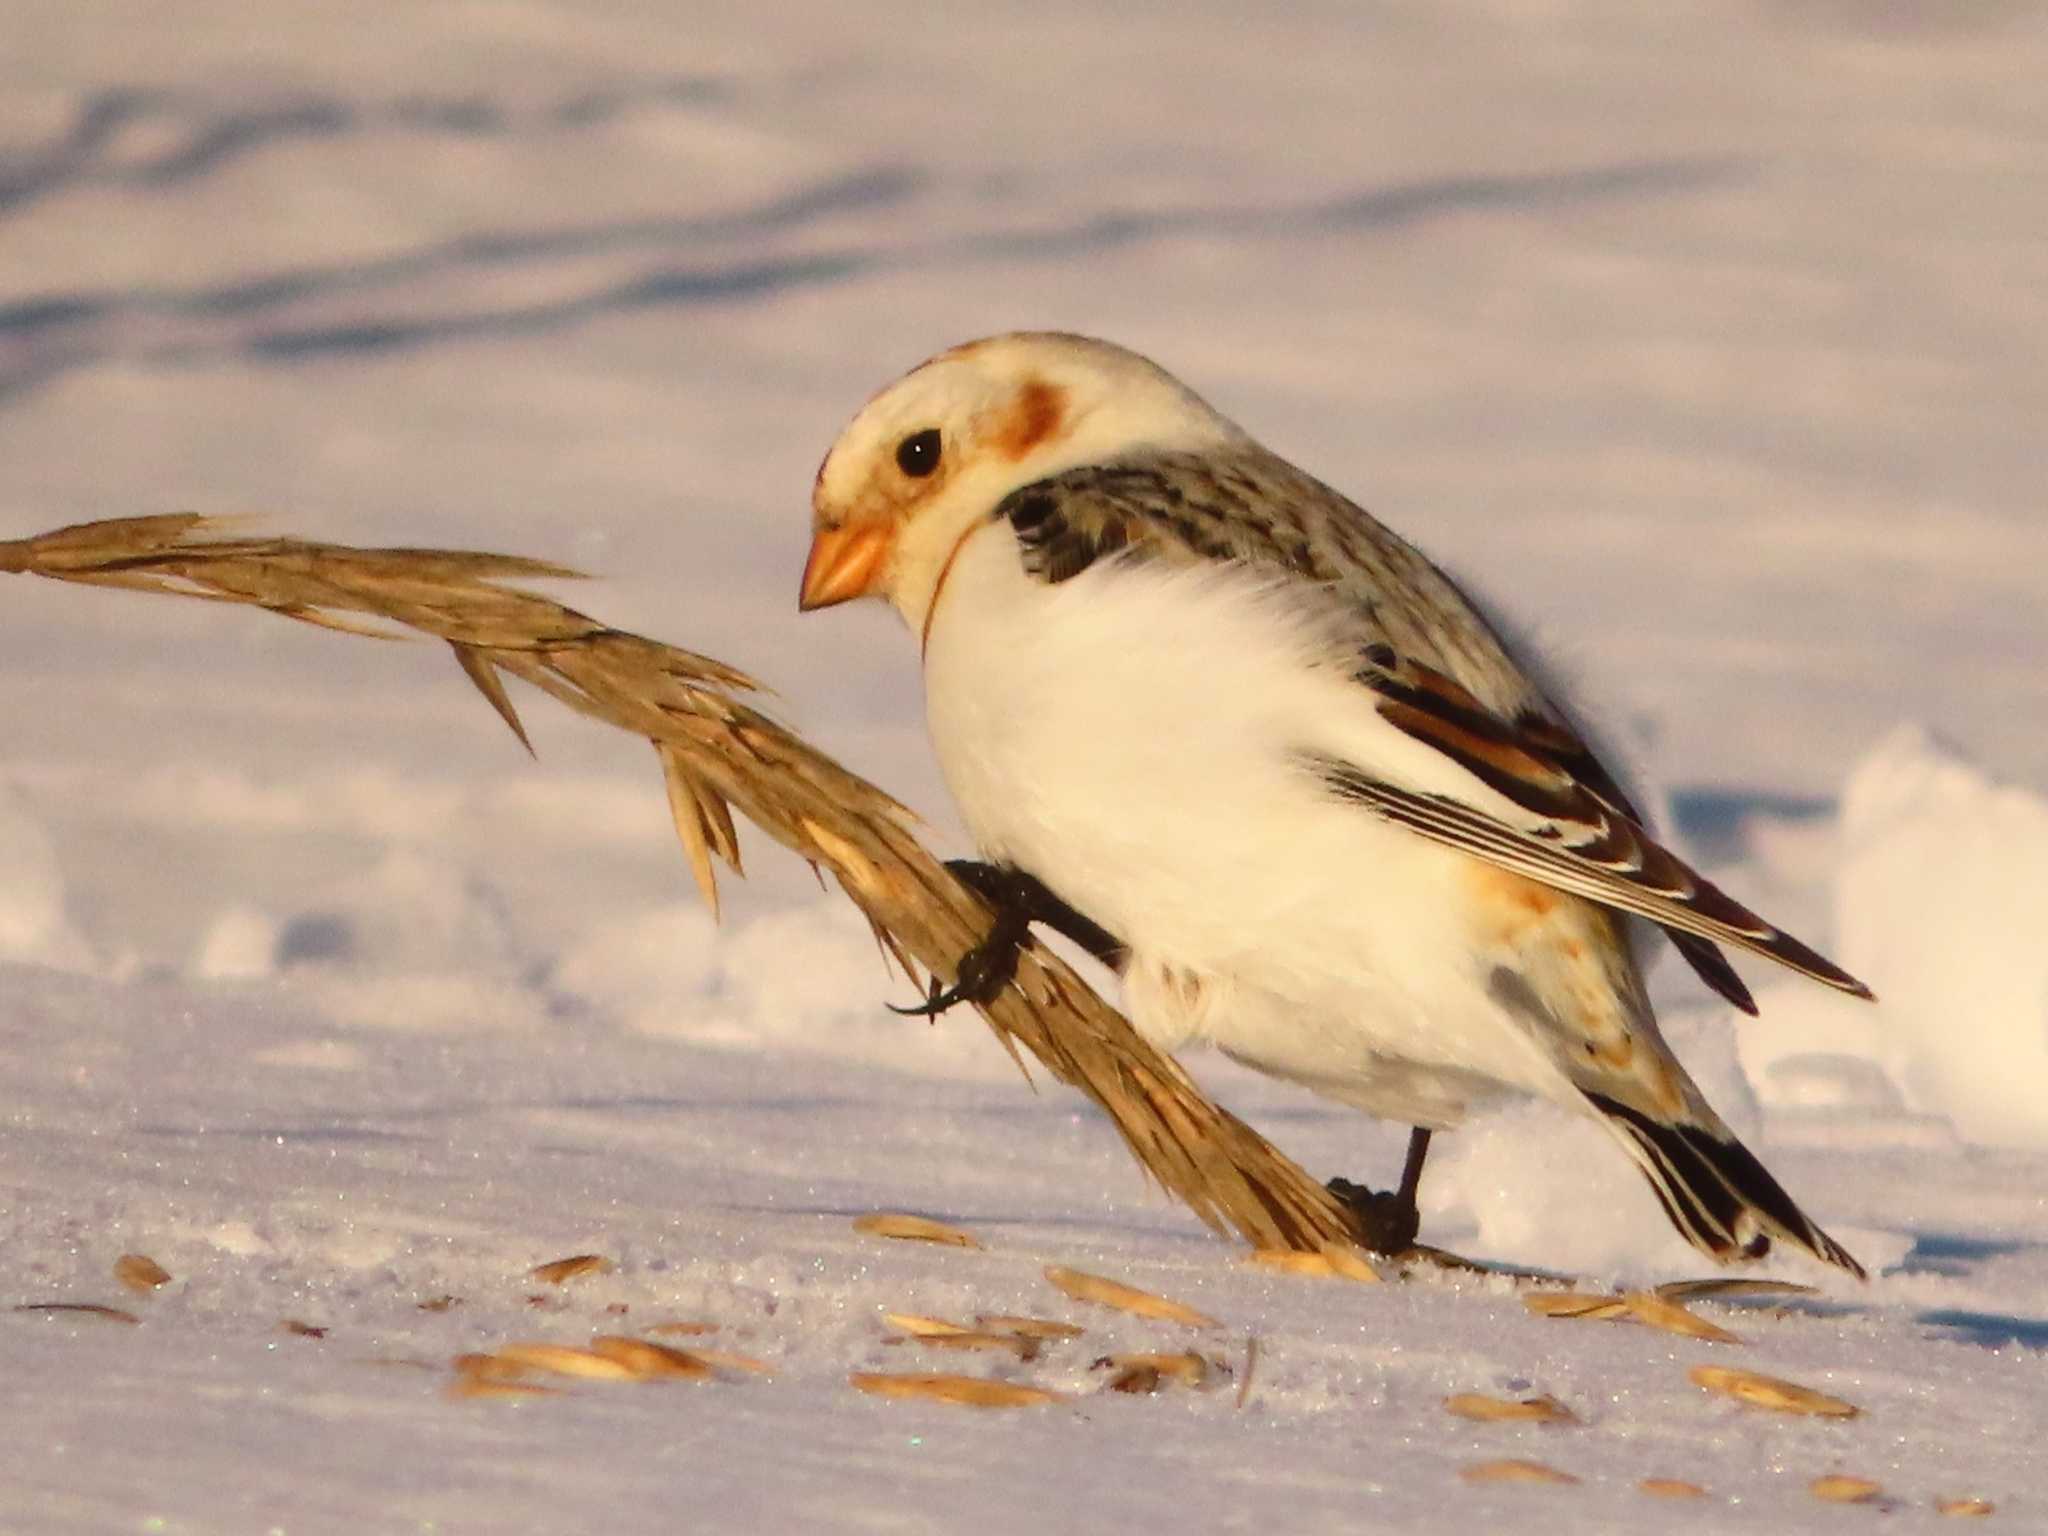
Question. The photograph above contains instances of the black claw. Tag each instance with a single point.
(1019, 900)
(1386, 1223)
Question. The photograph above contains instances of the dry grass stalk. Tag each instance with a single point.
(649, 1361)
(1672, 1488)
(967, 1391)
(562, 1271)
(1654, 1311)
(719, 754)
(82, 1308)
(1031, 1327)
(1514, 1471)
(139, 1272)
(1125, 1298)
(1771, 1392)
(914, 1229)
(1251, 1366)
(1967, 1508)
(1839, 1488)
(1501, 1410)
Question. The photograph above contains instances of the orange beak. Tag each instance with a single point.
(846, 562)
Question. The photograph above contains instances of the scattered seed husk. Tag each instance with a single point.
(1672, 1488)
(440, 1303)
(1031, 1327)
(1251, 1364)
(1839, 1488)
(299, 1330)
(650, 1361)
(139, 1272)
(681, 1330)
(1496, 1410)
(1333, 1261)
(1964, 1507)
(1148, 1372)
(726, 1360)
(914, 1229)
(566, 1360)
(475, 1386)
(1017, 1345)
(920, 1327)
(562, 1271)
(1731, 1287)
(968, 1391)
(1591, 1305)
(1771, 1392)
(1125, 1298)
(82, 1308)
(1514, 1471)
(483, 1367)
(1655, 1311)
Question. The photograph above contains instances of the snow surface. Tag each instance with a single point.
(1706, 338)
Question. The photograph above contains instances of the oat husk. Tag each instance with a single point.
(914, 1229)
(681, 1330)
(1141, 1373)
(919, 1326)
(1016, 1345)
(1514, 1470)
(562, 1271)
(1589, 1305)
(1966, 1508)
(649, 1361)
(82, 1309)
(719, 754)
(728, 1360)
(1656, 1312)
(1500, 1410)
(1672, 1488)
(1335, 1261)
(564, 1360)
(1125, 1298)
(965, 1391)
(1840, 1488)
(1043, 1328)
(1771, 1392)
(140, 1273)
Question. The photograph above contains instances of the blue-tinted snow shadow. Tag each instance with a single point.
(252, 316)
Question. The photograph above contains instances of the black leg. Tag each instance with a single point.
(1019, 901)
(1388, 1219)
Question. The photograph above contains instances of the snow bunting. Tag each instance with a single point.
(1206, 716)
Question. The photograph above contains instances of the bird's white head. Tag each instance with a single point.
(926, 461)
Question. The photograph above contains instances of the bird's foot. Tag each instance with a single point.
(1387, 1223)
(991, 965)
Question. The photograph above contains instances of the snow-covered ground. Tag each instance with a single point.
(1705, 338)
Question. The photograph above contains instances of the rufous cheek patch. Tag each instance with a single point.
(1031, 419)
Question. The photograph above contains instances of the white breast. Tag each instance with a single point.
(1131, 736)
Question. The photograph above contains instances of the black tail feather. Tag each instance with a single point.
(1724, 1202)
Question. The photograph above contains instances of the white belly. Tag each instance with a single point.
(1130, 737)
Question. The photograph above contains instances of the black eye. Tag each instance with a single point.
(918, 454)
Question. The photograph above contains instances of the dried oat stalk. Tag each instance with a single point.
(719, 755)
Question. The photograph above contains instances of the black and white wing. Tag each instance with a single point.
(1523, 791)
